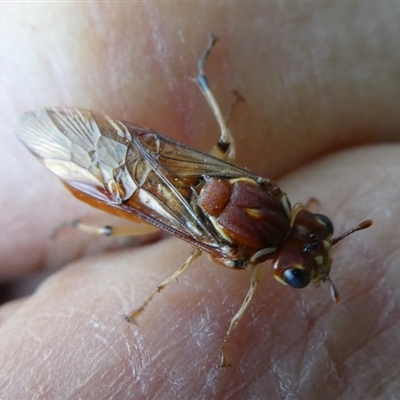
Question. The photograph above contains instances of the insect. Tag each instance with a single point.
(239, 218)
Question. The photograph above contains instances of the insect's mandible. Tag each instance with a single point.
(240, 219)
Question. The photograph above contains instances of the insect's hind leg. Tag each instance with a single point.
(108, 230)
(225, 148)
(134, 314)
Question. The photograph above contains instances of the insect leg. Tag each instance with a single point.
(255, 280)
(193, 255)
(297, 207)
(236, 98)
(225, 148)
(131, 230)
(295, 210)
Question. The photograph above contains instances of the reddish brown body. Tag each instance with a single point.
(239, 218)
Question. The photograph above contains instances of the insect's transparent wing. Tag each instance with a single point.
(127, 167)
(78, 148)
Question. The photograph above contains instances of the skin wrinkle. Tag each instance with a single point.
(248, 382)
(376, 334)
(360, 349)
(104, 372)
(63, 317)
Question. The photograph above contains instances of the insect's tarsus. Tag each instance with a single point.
(212, 39)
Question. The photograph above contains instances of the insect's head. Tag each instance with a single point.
(305, 256)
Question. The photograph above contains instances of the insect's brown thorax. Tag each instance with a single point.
(252, 217)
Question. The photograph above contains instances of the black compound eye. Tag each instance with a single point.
(326, 221)
(296, 278)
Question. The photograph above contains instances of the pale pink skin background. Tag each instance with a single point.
(320, 82)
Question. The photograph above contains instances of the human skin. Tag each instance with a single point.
(320, 116)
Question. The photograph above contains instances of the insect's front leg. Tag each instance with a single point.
(225, 148)
(255, 280)
(297, 207)
(134, 314)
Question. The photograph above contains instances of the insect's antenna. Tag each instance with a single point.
(363, 225)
